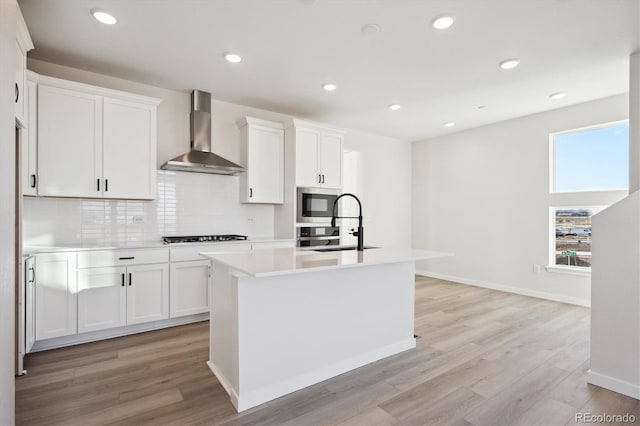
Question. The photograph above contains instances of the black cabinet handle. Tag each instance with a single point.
(123, 279)
(127, 258)
(33, 181)
(130, 279)
(17, 92)
(98, 182)
(250, 192)
(33, 275)
(106, 185)
(319, 178)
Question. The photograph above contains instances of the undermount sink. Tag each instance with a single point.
(341, 248)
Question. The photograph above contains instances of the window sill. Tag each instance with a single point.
(582, 272)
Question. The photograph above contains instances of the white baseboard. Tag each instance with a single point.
(616, 385)
(270, 392)
(110, 333)
(508, 289)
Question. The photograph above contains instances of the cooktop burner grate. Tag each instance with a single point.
(203, 238)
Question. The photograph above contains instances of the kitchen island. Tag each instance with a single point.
(284, 319)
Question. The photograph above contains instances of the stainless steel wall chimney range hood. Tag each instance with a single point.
(200, 159)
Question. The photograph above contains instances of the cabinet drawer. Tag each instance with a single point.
(102, 258)
(192, 252)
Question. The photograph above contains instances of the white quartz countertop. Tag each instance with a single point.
(66, 247)
(281, 261)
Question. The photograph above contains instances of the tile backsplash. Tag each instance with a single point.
(187, 204)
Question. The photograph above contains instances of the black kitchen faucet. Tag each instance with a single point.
(360, 231)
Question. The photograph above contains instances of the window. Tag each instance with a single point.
(593, 159)
(589, 171)
(573, 236)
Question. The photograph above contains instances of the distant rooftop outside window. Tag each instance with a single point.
(594, 159)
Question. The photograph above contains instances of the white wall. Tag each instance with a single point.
(385, 166)
(483, 194)
(7, 213)
(615, 317)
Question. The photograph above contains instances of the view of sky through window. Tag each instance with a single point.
(593, 159)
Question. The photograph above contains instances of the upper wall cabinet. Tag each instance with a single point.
(262, 151)
(319, 152)
(23, 45)
(94, 142)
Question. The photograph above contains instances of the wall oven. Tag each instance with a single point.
(316, 204)
(316, 236)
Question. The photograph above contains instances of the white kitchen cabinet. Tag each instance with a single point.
(23, 45)
(95, 142)
(190, 274)
(189, 284)
(56, 297)
(114, 291)
(102, 298)
(262, 152)
(318, 154)
(129, 152)
(30, 304)
(147, 293)
(29, 143)
(69, 143)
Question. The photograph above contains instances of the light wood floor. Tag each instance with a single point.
(484, 358)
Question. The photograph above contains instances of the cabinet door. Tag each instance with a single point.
(19, 92)
(265, 165)
(307, 151)
(129, 150)
(331, 154)
(29, 143)
(30, 304)
(69, 143)
(189, 288)
(147, 293)
(56, 299)
(102, 298)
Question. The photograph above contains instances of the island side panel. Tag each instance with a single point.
(299, 329)
(223, 328)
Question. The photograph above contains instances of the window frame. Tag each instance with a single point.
(574, 200)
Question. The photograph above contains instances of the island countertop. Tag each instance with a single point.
(282, 261)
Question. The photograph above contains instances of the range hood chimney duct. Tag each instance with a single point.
(200, 159)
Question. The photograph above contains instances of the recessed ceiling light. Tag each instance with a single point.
(103, 16)
(329, 87)
(449, 124)
(370, 29)
(394, 107)
(508, 64)
(557, 95)
(443, 22)
(234, 58)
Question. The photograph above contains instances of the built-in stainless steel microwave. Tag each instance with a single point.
(316, 204)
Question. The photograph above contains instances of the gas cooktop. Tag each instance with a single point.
(203, 238)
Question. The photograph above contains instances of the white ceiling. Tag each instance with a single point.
(291, 47)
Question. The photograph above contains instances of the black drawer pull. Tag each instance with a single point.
(17, 92)
(98, 182)
(127, 258)
(130, 278)
(106, 185)
(33, 181)
(123, 280)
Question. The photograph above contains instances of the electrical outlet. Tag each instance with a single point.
(250, 219)
(138, 219)
(537, 268)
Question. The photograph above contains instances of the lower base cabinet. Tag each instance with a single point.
(118, 296)
(189, 288)
(56, 298)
